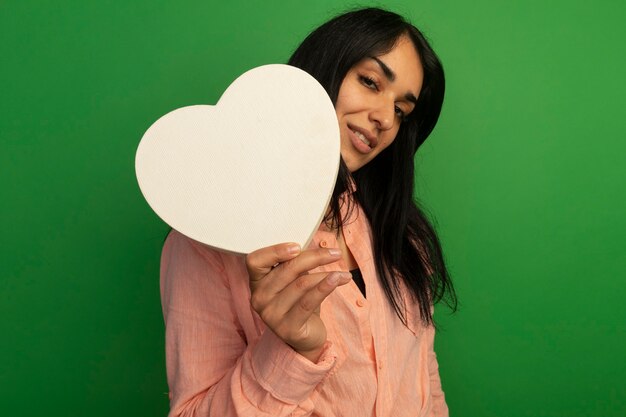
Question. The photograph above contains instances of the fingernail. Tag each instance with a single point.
(334, 252)
(333, 278)
(293, 249)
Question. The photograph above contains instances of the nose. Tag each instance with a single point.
(383, 115)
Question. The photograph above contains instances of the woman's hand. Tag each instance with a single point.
(288, 298)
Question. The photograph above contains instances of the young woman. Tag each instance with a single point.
(343, 327)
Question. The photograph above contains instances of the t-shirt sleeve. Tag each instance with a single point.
(212, 367)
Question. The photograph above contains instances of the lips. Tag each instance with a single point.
(362, 140)
(362, 137)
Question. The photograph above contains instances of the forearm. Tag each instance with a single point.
(269, 379)
(219, 362)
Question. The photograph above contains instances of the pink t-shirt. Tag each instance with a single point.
(222, 361)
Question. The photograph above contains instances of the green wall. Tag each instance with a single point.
(524, 176)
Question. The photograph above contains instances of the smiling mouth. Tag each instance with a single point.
(361, 137)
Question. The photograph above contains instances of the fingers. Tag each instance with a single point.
(260, 262)
(308, 302)
(287, 272)
(299, 291)
(287, 297)
(293, 314)
(267, 289)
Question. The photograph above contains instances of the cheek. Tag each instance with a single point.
(339, 108)
(341, 100)
(388, 140)
(349, 99)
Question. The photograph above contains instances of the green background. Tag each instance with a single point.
(524, 177)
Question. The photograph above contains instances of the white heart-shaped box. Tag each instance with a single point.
(256, 169)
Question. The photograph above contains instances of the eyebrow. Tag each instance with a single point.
(391, 76)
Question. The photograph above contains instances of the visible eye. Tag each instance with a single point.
(401, 115)
(368, 82)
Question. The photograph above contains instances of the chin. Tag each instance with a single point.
(354, 166)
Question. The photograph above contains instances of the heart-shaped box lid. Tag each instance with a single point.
(256, 169)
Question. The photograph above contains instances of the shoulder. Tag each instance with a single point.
(179, 248)
(182, 255)
(198, 283)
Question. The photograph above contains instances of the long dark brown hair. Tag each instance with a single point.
(406, 247)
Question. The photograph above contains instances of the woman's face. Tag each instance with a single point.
(374, 98)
